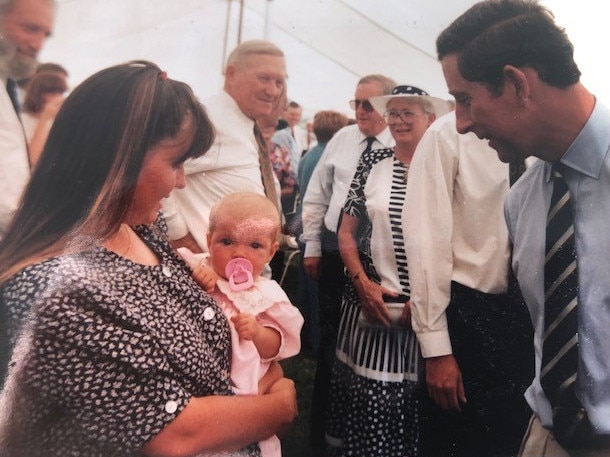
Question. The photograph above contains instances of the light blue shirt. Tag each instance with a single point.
(588, 178)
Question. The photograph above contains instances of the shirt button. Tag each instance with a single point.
(171, 406)
(208, 314)
(166, 271)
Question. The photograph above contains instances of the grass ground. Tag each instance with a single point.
(301, 369)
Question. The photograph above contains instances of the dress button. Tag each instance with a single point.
(171, 406)
(208, 314)
(166, 271)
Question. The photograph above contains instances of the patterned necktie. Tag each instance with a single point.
(369, 147)
(267, 174)
(560, 340)
(369, 144)
(11, 88)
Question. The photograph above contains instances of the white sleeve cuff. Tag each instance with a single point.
(313, 249)
(434, 344)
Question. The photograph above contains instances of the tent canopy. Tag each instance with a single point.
(329, 44)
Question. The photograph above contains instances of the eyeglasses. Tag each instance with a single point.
(366, 105)
(405, 116)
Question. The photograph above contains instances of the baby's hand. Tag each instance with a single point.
(246, 325)
(205, 276)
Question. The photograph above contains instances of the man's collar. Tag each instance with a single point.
(589, 149)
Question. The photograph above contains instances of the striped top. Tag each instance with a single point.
(377, 198)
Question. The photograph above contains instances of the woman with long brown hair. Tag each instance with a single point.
(117, 350)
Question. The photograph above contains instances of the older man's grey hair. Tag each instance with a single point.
(6, 5)
(387, 84)
(245, 50)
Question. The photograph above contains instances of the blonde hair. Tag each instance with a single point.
(241, 54)
(246, 205)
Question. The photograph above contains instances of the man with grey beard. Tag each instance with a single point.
(24, 27)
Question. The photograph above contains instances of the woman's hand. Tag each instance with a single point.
(273, 382)
(51, 107)
(227, 423)
(274, 374)
(286, 389)
(405, 317)
(371, 300)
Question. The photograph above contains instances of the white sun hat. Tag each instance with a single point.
(439, 105)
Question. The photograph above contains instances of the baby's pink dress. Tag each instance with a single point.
(266, 300)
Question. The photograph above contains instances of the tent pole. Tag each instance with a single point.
(226, 37)
(241, 19)
(268, 18)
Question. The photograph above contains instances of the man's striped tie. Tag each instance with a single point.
(560, 341)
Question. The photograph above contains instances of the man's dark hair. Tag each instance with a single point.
(522, 33)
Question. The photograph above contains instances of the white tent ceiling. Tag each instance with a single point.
(329, 44)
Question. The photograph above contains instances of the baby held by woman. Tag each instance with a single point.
(243, 236)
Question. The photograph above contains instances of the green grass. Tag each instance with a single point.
(301, 369)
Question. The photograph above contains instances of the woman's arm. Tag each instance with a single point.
(217, 423)
(370, 293)
(348, 246)
(39, 136)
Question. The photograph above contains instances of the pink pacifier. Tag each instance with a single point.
(239, 273)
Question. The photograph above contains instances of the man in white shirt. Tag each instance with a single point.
(465, 319)
(292, 115)
(255, 79)
(24, 27)
(322, 205)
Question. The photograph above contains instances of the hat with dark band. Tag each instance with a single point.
(380, 103)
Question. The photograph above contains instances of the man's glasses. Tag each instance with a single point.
(405, 116)
(366, 105)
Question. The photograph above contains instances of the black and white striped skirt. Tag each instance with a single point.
(375, 388)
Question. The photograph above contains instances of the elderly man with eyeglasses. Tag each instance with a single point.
(322, 206)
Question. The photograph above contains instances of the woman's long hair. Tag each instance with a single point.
(84, 182)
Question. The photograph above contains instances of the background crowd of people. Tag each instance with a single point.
(452, 273)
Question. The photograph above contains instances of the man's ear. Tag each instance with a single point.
(516, 78)
(229, 73)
